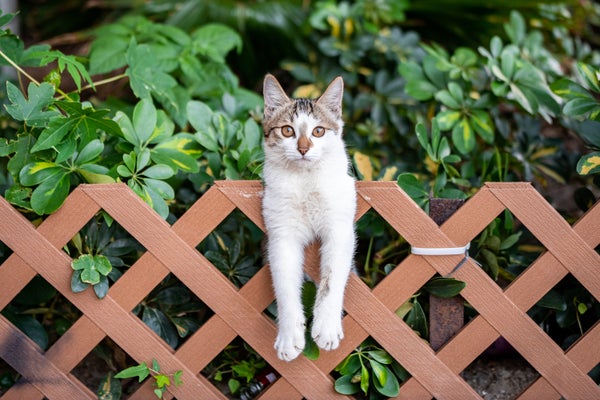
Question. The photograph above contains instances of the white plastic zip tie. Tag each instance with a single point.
(440, 251)
(445, 251)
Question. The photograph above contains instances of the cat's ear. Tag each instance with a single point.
(273, 94)
(332, 97)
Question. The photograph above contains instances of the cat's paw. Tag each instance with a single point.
(327, 332)
(290, 342)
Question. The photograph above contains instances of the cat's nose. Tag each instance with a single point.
(303, 150)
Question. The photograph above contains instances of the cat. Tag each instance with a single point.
(308, 196)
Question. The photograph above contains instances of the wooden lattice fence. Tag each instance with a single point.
(172, 249)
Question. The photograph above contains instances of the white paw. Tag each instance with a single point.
(327, 332)
(290, 342)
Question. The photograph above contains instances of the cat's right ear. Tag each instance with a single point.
(273, 94)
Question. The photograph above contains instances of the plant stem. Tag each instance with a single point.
(21, 70)
(99, 83)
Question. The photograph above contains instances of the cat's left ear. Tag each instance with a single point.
(273, 94)
(332, 97)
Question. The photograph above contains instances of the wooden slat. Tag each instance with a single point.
(369, 312)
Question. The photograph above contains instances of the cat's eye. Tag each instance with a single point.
(318, 131)
(287, 131)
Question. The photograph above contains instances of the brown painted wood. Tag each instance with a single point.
(171, 249)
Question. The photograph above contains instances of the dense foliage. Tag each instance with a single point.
(435, 108)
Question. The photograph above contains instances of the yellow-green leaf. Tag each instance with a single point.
(589, 164)
(364, 166)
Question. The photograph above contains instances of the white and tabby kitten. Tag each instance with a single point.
(308, 196)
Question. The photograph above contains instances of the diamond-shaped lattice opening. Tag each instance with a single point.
(113, 250)
(566, 312)
(595, 373)
(500, 373)
(235, 248)
(8, 376)
(5, 252)
(41, 312)
(106, 358)
(383, 376)
(173, 311)
(379, 248)
(505, 248)
(238, 369)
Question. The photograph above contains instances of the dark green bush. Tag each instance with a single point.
(433, 106)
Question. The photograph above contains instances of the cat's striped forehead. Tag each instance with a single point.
(304, 109)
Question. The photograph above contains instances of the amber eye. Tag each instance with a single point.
(287, 131)
(318, 131)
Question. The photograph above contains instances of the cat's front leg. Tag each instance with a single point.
(336, 263)
(286, 259)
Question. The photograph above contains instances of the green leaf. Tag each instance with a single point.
(6, 18)
(163, 189)
(447, 99)
(144, 121)
(30, 110)
(77, 285)
(381, 356)
(411, 185)
(379, 371)
(93, 173)
(515, 29)
(364, 380)
(389, 388)
(491, 262)
(90, 275)
(568, 89)
(140, 371)
(158, 171)
(589, 75)
(145, 76)
(463, 136)
(106, 51)
(54, 133)
(510, 241)
(126, 127)
(37, 172)
(416, 319)
(215, 41)
(51, 193)
(553, 300)
(101, 288)
(444, 287)
(311, 350)
(179, 152)
(447, 119)
(85, 261)
(90, 152)
(350, 365)
(589, 164)
(162, 380)
(234, 385)
(177, 378)
(160, 324)
(345, 385)
(102, 264)
(89, 121)
(483, 125)
(580, 106)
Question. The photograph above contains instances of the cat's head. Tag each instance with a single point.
(302, 130)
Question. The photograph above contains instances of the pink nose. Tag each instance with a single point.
(303, 150)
